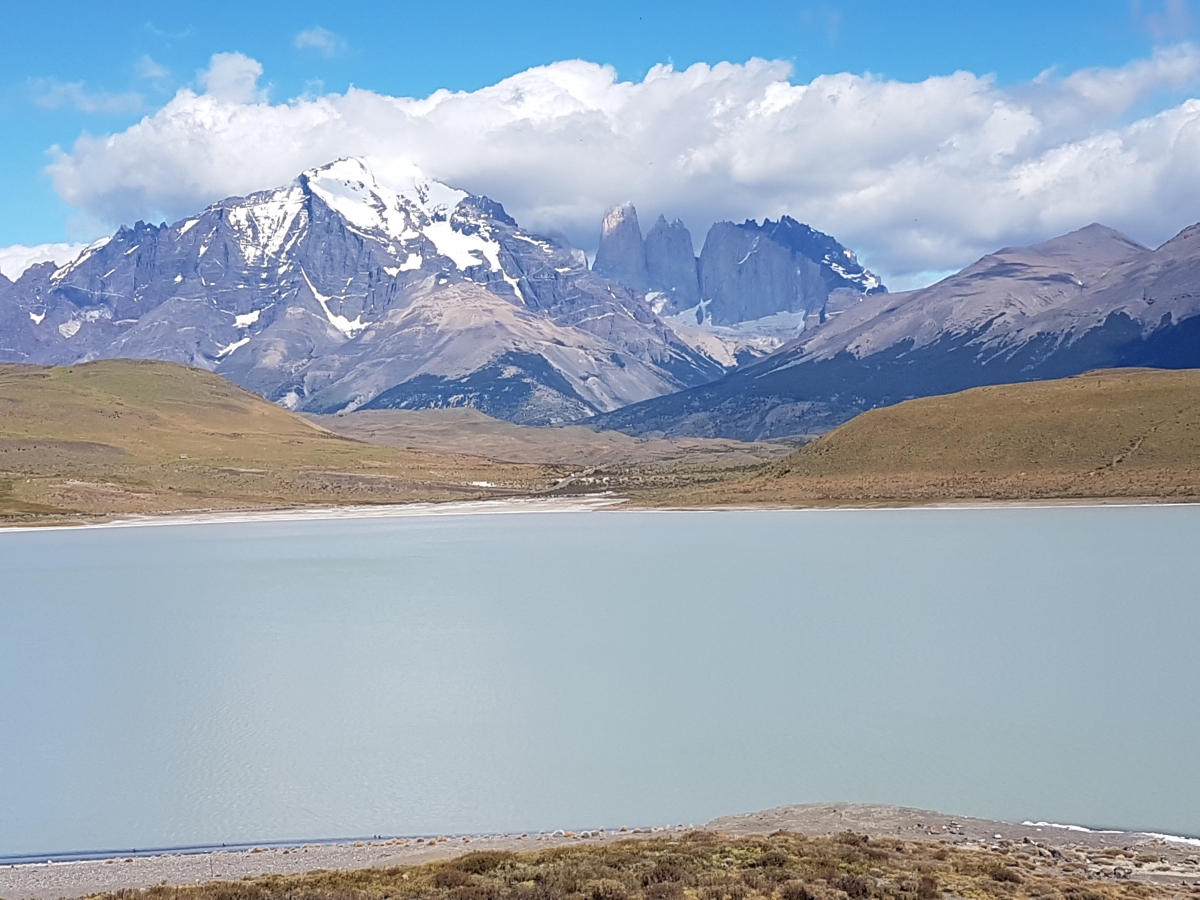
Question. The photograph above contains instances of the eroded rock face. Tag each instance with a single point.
(745, 272)
(621, 255)
(671, 265)
(750, 271)
(746, 275)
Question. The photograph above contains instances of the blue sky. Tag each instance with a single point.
(99, 68)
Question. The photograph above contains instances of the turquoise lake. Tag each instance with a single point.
(250, 681)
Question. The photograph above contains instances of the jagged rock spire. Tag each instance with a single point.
(671, 264)
(621, 255)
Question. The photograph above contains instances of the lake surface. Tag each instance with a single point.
(255, 681)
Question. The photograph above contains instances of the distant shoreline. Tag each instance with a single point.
(543, 505)
(324, 513)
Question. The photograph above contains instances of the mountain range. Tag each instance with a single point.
(336, 293)
(752, 288)
(1087, 300)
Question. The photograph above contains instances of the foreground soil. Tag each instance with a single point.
(1112, 435)
(120, 437)
(889, 852)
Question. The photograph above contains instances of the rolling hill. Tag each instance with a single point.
(1124, 433)
(141, 436)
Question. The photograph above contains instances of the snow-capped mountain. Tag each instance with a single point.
(752, 289)
(338, 292)
(1090, 299)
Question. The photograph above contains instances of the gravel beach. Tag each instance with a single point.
(1090, 854)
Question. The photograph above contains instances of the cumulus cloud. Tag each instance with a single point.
(916, 176)
(50, 93)
(232, 78)
(320, 39)
(16, 259)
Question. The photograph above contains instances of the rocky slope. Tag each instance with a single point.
(752, 289)
(1087, 300)
(338, 292)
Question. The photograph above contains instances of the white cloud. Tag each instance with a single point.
(921, 176)
(16, 259)
(320, 39)
(152, 71)
(232, 78)
(50, 93)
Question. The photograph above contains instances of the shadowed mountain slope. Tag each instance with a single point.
(1091, 299)
(1123, 433)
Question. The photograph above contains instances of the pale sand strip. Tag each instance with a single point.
(506, 506)
(49, 881)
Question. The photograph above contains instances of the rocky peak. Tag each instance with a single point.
(671, 266)
(839, 266)
(342, 289)
(621, 255)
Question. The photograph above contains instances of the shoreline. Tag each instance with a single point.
(541, 505)
(507, 505)
(1165, 859)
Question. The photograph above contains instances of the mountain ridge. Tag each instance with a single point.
(1086, 300)
(290, 291)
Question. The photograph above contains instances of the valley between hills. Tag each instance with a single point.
(134, 437)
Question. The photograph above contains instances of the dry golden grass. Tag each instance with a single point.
(139, 436)
(1105, 435)
(700, 866)
(465, 430)
(110, 437)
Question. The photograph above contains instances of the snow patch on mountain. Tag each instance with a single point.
(734, 345)
(338, 321)
(70, 265)
(264, 224)
(229, 348)
(246, 319)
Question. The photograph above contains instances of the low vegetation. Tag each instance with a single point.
(698, 866)
(139, 436)
(1125, 433)
(128, 436)
(466, 430)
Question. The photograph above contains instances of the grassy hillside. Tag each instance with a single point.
(466, 430)
(1113, 434)
(703, 866)
(144, 436)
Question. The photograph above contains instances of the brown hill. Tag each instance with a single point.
(144, 436)
(1123, 433)
(466, 430)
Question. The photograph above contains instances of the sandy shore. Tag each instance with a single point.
(577, 503)
(321, 513)
(1146, 857)
(51, 880)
